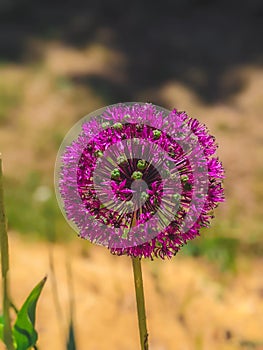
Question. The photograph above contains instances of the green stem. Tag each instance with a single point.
(7, 331)
(138, 282)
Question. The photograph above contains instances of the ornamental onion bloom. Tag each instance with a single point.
(139, 179)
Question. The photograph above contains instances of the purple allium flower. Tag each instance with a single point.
(139, 179)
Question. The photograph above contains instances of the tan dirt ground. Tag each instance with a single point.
(190, 303)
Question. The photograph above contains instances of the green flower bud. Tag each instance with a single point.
(158, 244)
(98, 153)
(144, 196)
(115, 174)
(118, 126)
(176, 197)
(184, 178)
(129, 205)
(141, 164)
(137, 175)
(156, 134)
(105, 125)
(188, 186)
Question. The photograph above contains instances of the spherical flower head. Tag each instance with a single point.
(139, 179)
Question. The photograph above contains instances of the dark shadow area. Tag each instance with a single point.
(196, 42)
(110, 91)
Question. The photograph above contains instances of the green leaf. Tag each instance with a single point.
(71, 344)
(1, 326)
(25, 335)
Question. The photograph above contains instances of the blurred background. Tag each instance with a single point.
(60, 60)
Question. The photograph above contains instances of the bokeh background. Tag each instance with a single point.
(60, 60)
